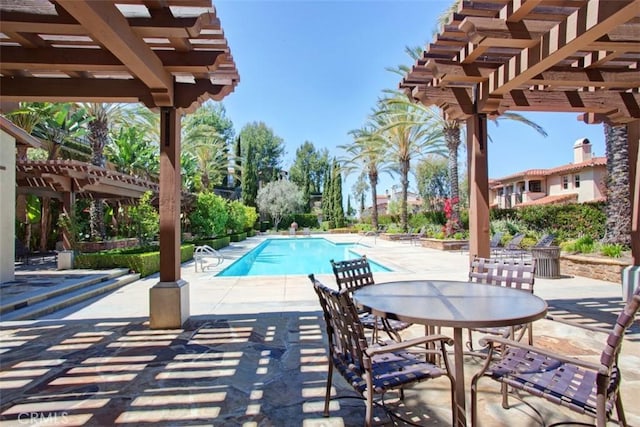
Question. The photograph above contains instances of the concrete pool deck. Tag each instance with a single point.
(253, 352)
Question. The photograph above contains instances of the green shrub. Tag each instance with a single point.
(236, 216)
(145, 263)
(612, 250)
(210, 215)
(584, 245)
(251, 217)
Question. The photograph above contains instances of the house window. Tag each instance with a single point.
(535, 186)
(565, 182)
(576, 181)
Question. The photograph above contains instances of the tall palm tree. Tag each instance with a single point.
(409, 134)
(618, 208)
(366, 154)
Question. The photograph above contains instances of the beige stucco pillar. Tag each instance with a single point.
(633, 137)
(8, 212)
(169, 298)
(479, 229)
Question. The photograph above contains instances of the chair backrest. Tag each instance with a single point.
(352, 274)
(545, 241)
(347, 341)
(612, 347)
(519, 274)
(496, 239)
(514, 243)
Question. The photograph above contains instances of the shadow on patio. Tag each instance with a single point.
(266, 369)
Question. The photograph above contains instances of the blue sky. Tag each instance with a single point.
(313, 70)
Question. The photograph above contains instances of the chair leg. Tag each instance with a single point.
(505, 395)
(327, 396)
(470, 342)
(474, 400)
(369, 414)
(622, 420)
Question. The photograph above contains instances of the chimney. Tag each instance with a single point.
(581, 151)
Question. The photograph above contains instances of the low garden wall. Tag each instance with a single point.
(600, 268)
(106, 245)
(444, 244)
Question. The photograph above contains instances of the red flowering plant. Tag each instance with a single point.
(453, 223)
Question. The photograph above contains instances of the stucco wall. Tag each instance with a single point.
(8, 211)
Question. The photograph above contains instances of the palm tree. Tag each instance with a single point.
(618, 208)
(366, 154)
(211, 153)
(409, 134)
(61, 125)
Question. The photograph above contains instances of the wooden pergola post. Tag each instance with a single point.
(479, 229)
(68, 202)
(169, 298)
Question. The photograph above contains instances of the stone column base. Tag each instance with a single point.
(169, 305)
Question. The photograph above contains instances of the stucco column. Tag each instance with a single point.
(633, 138)
(169, 298)
(8, 212)
(479, 229)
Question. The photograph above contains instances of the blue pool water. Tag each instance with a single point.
(277, 257)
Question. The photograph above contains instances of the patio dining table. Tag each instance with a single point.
(452, 304)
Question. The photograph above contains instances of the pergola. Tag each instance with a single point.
(171, 55)
(494, 56)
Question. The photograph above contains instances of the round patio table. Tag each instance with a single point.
(452, 304)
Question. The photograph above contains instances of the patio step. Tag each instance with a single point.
(34, 305)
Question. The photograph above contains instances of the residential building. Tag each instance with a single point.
(582, 181)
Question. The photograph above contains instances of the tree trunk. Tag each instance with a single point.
(452, 139)
(98, 137)
(618, 208)
(45, 222)
(404, 182)
(373, 180)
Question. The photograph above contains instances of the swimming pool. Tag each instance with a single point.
(277, 257)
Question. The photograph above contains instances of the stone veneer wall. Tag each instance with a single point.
(106, 245)
(592, 267)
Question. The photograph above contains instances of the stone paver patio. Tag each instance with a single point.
(253, 353)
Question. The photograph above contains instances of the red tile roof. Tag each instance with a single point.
(550, 200)
(571, 167)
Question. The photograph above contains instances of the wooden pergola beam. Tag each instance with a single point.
(625, 103)
(92, 60)
(574, 33)
(33, 89)
(109, 27)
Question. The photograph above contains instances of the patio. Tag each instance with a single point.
(254, 353)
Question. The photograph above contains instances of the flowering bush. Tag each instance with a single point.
(453, 223)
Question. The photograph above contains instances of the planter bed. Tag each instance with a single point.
(444, 244)
(602, 268)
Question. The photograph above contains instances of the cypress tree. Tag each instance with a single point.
(249, 178)
(338, 209)
(327, 197)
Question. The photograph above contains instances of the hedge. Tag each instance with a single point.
(568, 221)
(145, 263)
(237, 237)
(217, 243)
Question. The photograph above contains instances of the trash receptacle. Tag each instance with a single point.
(547, 262)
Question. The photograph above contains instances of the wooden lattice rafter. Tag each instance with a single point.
(170, 53)
(552, 55)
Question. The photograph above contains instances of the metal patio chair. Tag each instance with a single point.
(373, 369)
(582, 386)
(353, 274)
(518, 274)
